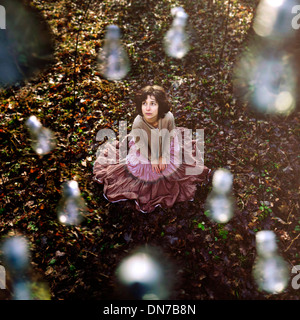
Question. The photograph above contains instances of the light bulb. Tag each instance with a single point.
(176, 41)
(266, 242)
(270, 271)
(113, 61)
(71, 208)
(17, 258)
(143, 276)
(220, 207)
(26, 42)
(175, 10)
(21, 290)
(268, 80)
(43, 140)
(222, 181)
(273, 19)
(16, 254)
(274, 86)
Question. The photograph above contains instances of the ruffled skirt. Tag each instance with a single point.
(132, 178)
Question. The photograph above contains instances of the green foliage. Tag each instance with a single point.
(223, 233)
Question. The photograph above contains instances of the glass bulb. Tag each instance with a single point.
(220, 207)
(113, 61)
(16, 254)
(271, 274)
(175, 10)
(222, 181)
(273, 19)
(21, 290)
(142, 276)
(43, 140)
(26, 43)
(266, 242)
(176, 42)
(267, 80)
(274, 91)
(71, 209)
(270, 271)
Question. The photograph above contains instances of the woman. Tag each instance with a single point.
(161, 166)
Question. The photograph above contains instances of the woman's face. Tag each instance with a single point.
(150, 109)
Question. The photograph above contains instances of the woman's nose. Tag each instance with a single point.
(148, 107)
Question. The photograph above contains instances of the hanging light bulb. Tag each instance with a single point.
(43, 140)
(26, 42)
(222, 181)
(176, 42)
(112, 59)
(16, 254)
(273, 19)
(22, 290)
(268, 80)
(71, 209)
(220, 204)
(270, 271)
(143, 276)
(16, 257)
(274, 86)
(175, 10)
(219, 207)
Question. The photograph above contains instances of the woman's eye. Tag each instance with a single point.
(152, 103)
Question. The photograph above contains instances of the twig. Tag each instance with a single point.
(75, 77)
(292, 242)
(287, 159)
(225, 33)
(290, 212)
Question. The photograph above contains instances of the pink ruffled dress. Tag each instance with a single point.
(132, 178)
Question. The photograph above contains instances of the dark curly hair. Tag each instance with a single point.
(160, 95)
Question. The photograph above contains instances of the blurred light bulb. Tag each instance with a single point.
(266, 242)
(143, 276)
(222, 181)
(16, 257)
(21, 290)
(176, 42)
(175, 10)
(220, 203)
(220, 207)
(16, 254)
(71, 208)
(140, 268)
(267, 79)
(274, 89)
(26, 44)
(270, 271)
(112, 59)
(273, 19)
(43, 140)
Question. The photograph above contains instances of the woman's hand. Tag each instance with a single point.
(155, 168)
(161, 166)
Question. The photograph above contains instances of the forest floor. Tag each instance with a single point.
(210, 260)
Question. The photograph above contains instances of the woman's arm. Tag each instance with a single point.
(166, 137)
(140, 136)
